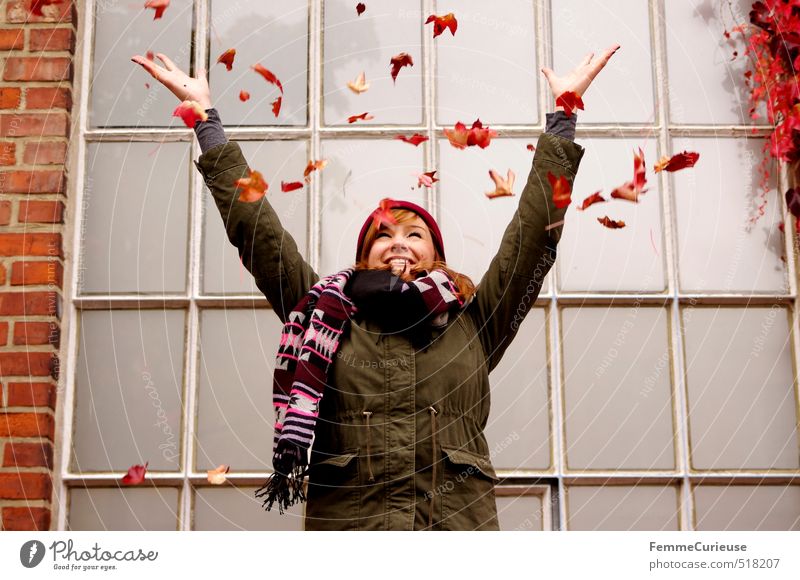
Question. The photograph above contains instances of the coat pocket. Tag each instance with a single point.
(468, 499)
(334, 492)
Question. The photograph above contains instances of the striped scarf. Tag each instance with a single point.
(309, 341)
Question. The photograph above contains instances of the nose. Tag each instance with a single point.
(399, 246)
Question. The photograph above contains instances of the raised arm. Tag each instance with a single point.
(266, 249)
(509, 288)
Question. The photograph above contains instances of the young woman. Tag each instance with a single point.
(384, 366)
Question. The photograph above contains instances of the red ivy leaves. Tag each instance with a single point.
(286, 187)
(570, 101)
(677, 161)
(383, 215)
(253, 187)
(276, 106)
(441, 23)
(562, 190)
(611, 224)
(398, 61)
(414, 140)
(158, 5)
(135, 474)
(591, 200)
(190, 112)
(244, 95)
(360, 8)
(268, 75)
(460, 137)
(227, 57)
(361, 117)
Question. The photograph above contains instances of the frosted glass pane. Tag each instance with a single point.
(593, 257)
(747, 507)
(705, 85)
(520, 514)
(618, 508)
(718, 249)
(471, 223)
(488, 70)
(125, 509)
(234, 406)
(617, 391)
(352, 44)
(123, 94)
(223, 272)
(518, 431)
(232, 508)
(129, 384)
(358, 176)
(624, 92)
(274, 34)
(741, 388)
(136, 206)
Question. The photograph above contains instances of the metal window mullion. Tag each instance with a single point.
(429, 72)
(315, 115)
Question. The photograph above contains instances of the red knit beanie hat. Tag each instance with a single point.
(388, 203)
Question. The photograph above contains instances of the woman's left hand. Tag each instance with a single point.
(579, 79)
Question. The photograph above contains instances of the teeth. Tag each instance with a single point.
(398, 266)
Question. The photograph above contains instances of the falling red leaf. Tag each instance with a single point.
(286, 187)
(562, 190)
(362, 117)
(530, 147)
(458, 135)
(276, 106)
(461, 138)
(253, 187)
(398, 61)
(440, 23)
(217, 476)
(135, 474)
(592, 199)
(190, 112)
(147, 85)
(313, 166)
(626, 191)
(244, 95)
(158, 5)
(383, 215)
(268, 75)
(426, 179)
(227, 57)
(37, 5)
(678, 161)
(415, 139)
(360, 8)
(570, 100)
(609, 223)
(149, 55)
(639, 178)
(502, 187)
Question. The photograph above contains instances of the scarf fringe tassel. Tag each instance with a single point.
(285, 486)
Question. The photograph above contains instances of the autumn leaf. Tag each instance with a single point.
(360, 8)
(440, 23)
(268, 75)
(227, 57)
(678, 161)
(460, 137)
(253, 187)
(639, 178)
(502, 187)
(286, 187)
(426, 179)
(627, 192)
(217, 476)
(398, 61)
(362, 117)
(359, 85)
(569, 100)
(592, 199)
(244, 95)
(149, 55)
(190, 112)
(37, 5)
(276, 106)
(561, 188)
(158, 5)
(530, 147)
(383, 215)
(313, 166)
(414, 140)
(611, 224)
(135, 474)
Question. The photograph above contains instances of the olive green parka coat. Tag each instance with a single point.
(399, 443)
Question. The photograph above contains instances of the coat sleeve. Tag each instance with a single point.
(267, 250)
(515, 276)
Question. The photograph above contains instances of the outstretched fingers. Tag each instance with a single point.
(170, 66)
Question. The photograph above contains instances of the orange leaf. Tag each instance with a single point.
(276, 106)
(502, 187)
(530, 147)
(592, 199)
(313, 166)
(440, 23)
(190, 112)
(461, 138)
(135, 474)
(158, 5)
(627, 192)
(268, 76)
(217, 476)
(359, 85)
(398, 61)
(569, 100)
(253, 187)
(362, 117)
(383, 215)
(426, 179)
(458, 135)
(562, 190)
(609, 223)
(677, 161)
(286, 187)
(360, 8)
(227, 57)
(639, 178)
(414, 140)
(244, 95)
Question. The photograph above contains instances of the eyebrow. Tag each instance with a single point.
(384, 227)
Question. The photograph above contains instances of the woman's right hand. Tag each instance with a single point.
(178, 82)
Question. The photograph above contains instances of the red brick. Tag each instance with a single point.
(31, 395)
(26, 425)
(28, 273)
(3, 333)
(8, 153)
(10, 97)
(51, 39)
(22, 485)
(45, 152)
(19, 454)
(2, 274)
(61, 12)
(5, 212)
(51, 212)
(12, 38)
(28, 303)
(36, 333)
(29, 244)
(26, 519)
(34, 124)
(34, 68)
(34, 364)
(39, 181)
(48, 98)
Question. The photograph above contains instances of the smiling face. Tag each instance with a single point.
(409, 240)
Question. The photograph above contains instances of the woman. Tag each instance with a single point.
(395, 353)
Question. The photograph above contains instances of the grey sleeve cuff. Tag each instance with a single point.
(559, 124)
(210, 133)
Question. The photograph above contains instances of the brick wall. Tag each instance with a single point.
(35, 105)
